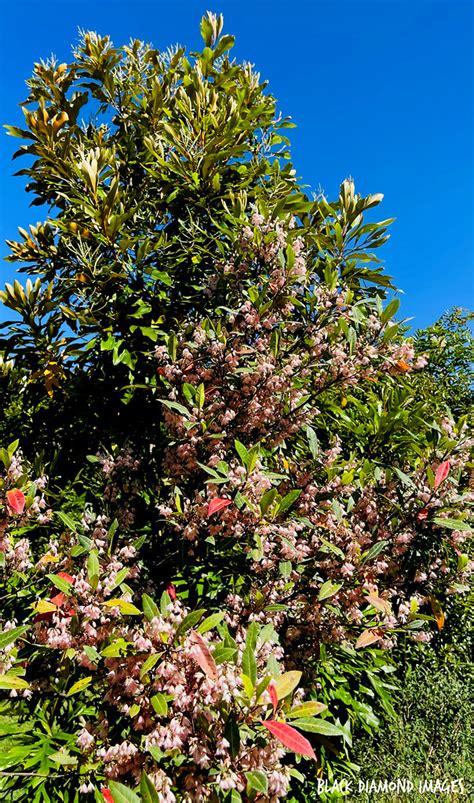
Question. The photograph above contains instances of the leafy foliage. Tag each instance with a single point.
(229, 498)
(431, 733)
(449, 374)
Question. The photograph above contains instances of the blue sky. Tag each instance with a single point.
(379, 90)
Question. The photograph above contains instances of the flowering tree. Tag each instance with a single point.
(244, 496)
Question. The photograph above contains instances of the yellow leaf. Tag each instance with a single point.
(309, 709)
(43, 606)
(413, 606)
(248, 686)
(284, 684)
(49, 559)
(79, 686)
(13, 682)
(125, 607)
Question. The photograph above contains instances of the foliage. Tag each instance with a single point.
(449, 375)
(431, 735)
(231, 499)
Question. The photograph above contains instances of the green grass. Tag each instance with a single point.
(431, 736)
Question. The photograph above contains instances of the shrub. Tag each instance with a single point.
(250, 500)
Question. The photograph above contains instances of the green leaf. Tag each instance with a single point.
(210, 622)
(264, 683)
(5, 458)
(119, 578)
(328, 589)
(390, 310)
(249, 687)
(221, 654)
(160, 704)
(150, 608)
(13, 682)
(241, 451)
(328, 547)
(249, 662)
(115, 649)
(249, 665)
(188, 392)
(314, 725)
(165, 602)
(267, 499)
(189, 621)
(313, 442)
(61, 584)
(92, 654)
(252, 458)
(404, 477)
(206, 32)
(65, 759)
(288, 500)
(93, 569)
(257, 780)
(200, 396)
(122, 794)
(232, 734)
(294, 773)
(8, 636)
(453, 524)
(147, 790)
(67, 521)
(11, 449)
(374, 550)
(84, 541)
(178, 408)
(149, 664)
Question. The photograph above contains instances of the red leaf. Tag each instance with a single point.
(202, 655)
(273, 695)
(290, 737)
(422, 514)
(107, 794)
(171, 591)
(65, 576)
(16, 500)
(403, 366)
(43, 617)
(217, 504)
(58, 599)
(441, 473)
(438, 611)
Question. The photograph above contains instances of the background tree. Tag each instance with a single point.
(449, 346)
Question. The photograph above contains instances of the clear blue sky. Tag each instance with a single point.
(379, 90)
